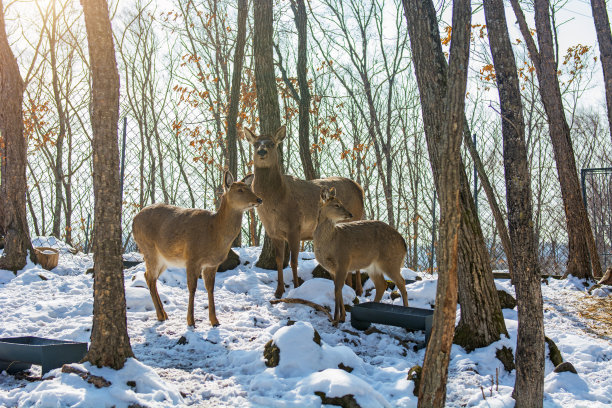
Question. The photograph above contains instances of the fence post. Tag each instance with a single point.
(123, 155)
(87, 234)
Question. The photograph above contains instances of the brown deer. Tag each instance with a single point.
(372, 246)
(290, 207)
(198, 240)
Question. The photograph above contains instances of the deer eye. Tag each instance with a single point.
(241, 190)
(337, 206)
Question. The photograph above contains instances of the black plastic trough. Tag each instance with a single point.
(364, 314)
(19, 353)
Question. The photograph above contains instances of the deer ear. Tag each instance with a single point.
(248, 179)
(332, 192)
(228, 179)
(250, 136)
(324, 194)
(280, 134)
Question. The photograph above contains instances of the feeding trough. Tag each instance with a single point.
(364, 314)
(47, 257)
(19, 353)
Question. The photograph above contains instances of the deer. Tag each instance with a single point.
(369, 245)
(290, 205)
(195, 239)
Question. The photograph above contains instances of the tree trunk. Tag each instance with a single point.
(580, 237)
(13, 158)
(529, 384)
(604, 38)
(232, 114)
(267, 95)
(482, 320)
(500, 224)
(299, 13)
(432, 392)
(110, 344)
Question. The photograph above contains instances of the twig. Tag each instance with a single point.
(304, 302)
(96, 380)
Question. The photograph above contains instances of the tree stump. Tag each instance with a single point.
(47, 257)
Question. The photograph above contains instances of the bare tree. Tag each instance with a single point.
(267, 97)
(580, 236)
(110, 344)
(604, 38)
(529, 385)
(479, 325)
(12, 160)
(449, 128)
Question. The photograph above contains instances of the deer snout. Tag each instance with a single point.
(262, 152)
(259, 201)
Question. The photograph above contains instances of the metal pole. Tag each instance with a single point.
(583, 173)
(475, 180)
(87, 234)
(433, 234)
(123, 154)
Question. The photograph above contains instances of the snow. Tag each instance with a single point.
(224, 366)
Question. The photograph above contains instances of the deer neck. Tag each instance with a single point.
(325, 229)
(227, 221)
(269, 183)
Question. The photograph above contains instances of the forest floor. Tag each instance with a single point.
(225, 367)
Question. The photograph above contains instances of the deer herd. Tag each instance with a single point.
(327, 211)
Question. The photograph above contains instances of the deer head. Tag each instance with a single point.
(238, 193)
(265, 147)
(332, 208)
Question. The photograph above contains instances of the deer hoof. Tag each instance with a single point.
(278, 294)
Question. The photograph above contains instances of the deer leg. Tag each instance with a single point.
(209, 280)
(152, 272)
(380, 284)
(339, 279)
(294, 248)
(358, 285)
(193, 273)
(279, 249)
(400, 283)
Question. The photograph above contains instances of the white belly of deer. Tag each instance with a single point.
(172, 263)
(373, 269)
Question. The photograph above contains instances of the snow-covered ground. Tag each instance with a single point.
(224, 366)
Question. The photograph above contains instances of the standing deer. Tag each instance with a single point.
(198, 240)
(372, 246)
(290, 207)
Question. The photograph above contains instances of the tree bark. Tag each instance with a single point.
(500, 224)
(13, 157)
(267, 95)
(581, 242)
(604, 38)
(482, 320)
(432, 392)
(232, 114)
(110, 344)
(299, 13)
(529, 384)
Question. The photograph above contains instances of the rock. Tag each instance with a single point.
(506, 356)
(553, 352)
(414, 374)
(346, 401)
(271, 354)
(565, 367)
(345, 368)
(395, 294)
(321, 272)
(231, 262)
(182, 341)
(506, 300)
